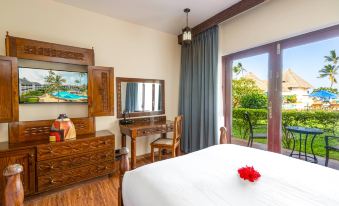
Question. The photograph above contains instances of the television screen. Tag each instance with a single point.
(49, 86)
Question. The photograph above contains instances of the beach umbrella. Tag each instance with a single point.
(323, 94)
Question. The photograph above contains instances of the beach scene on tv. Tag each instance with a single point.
(49, 86)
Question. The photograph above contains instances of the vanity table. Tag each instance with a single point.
(144, 101)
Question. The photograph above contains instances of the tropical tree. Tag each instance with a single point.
(332, 58)
(332, 90)
(331, 69)
(237, 69)
(330, 72)
(54, 82)
(242, 87)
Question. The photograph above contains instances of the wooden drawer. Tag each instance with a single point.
(48, 167)
(150, 131)
(61, 149)
(67, 177)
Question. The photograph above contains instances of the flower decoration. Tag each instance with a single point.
(249, 173)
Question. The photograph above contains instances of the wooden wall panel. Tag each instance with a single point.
(100, 91)
(9, 103)
(50, 52)
(32, 131)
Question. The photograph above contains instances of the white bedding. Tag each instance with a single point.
(209, 177)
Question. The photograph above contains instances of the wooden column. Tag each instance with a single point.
(14, 192)
(124, 167)
(227, 94)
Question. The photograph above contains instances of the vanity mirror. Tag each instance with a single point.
(140, 97)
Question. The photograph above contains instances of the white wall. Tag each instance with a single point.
(133, 50)
(276, 20)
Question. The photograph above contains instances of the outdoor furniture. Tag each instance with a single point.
(306, 132)
(252, 128)
(330, 147)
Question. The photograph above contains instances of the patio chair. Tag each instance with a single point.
(252, 128)
(330, 147)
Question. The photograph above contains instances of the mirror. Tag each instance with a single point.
(140, 97)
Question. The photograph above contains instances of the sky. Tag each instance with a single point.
(38, 75)
(305, 61)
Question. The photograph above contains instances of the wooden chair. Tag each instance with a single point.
(251, 128)
(167, 143)
(223, 138)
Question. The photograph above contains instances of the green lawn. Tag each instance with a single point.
(318, 144)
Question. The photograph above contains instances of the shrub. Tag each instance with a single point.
(254, 101)
(290, 98)
(325, 120)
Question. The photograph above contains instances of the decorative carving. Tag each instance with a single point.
(44, 51)
(104, 92)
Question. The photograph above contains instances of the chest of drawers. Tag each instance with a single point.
(64, 163)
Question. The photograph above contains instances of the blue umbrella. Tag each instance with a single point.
(323, 94)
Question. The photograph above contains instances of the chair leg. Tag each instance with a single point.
(152, 154)
(160, 153)
(178, 150)
(173, 152)
(327, 157)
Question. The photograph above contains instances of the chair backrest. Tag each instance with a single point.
(223, 137)
(177, 131)
(248, 119)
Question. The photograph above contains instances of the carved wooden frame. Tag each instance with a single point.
(44, 51)
(35, 131)
(139, 114)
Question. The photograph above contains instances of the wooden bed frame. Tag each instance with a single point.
(14, 192)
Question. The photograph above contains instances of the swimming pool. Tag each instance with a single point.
(68, 96)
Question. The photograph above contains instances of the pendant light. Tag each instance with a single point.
(187, 32)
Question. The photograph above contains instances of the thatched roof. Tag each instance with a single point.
(292, 80)
(262, 84)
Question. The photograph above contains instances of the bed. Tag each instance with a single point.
(209, 177)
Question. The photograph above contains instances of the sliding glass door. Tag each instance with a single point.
(252, 101)
(298, 77)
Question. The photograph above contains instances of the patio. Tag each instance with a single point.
(334, 164)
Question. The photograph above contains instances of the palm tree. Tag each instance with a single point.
(332, 58)
(239, 69)
(329, 71)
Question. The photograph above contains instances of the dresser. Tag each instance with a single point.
(48, 165)
(64, 163)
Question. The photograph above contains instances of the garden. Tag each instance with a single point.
(248, 97)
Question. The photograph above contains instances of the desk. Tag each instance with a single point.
(306, 132)
(144, 127)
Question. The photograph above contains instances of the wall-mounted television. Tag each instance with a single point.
(51, 86)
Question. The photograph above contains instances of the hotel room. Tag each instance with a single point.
(171, 103)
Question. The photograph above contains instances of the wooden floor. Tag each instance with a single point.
(98, 192)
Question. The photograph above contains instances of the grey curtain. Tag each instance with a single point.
(131, 101)
(198, 91)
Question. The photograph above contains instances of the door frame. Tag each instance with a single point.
(274, 70)
(274, 130)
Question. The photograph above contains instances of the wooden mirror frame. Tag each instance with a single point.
(119, 80)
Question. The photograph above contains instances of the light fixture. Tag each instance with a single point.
(187, 32)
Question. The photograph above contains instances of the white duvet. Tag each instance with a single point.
(209, 177)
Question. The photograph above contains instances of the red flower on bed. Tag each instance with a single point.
(249, 173)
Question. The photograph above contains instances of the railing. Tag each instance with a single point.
(14, 191)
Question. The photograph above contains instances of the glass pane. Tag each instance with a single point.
(249, 99)
(148, 96)
(310, 96)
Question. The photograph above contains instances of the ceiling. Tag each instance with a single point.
(162, 15)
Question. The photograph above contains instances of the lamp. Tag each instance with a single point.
(187, 32)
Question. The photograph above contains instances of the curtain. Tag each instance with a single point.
(198, 91)
(131, 101)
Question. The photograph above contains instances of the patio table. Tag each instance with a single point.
(295, 130)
